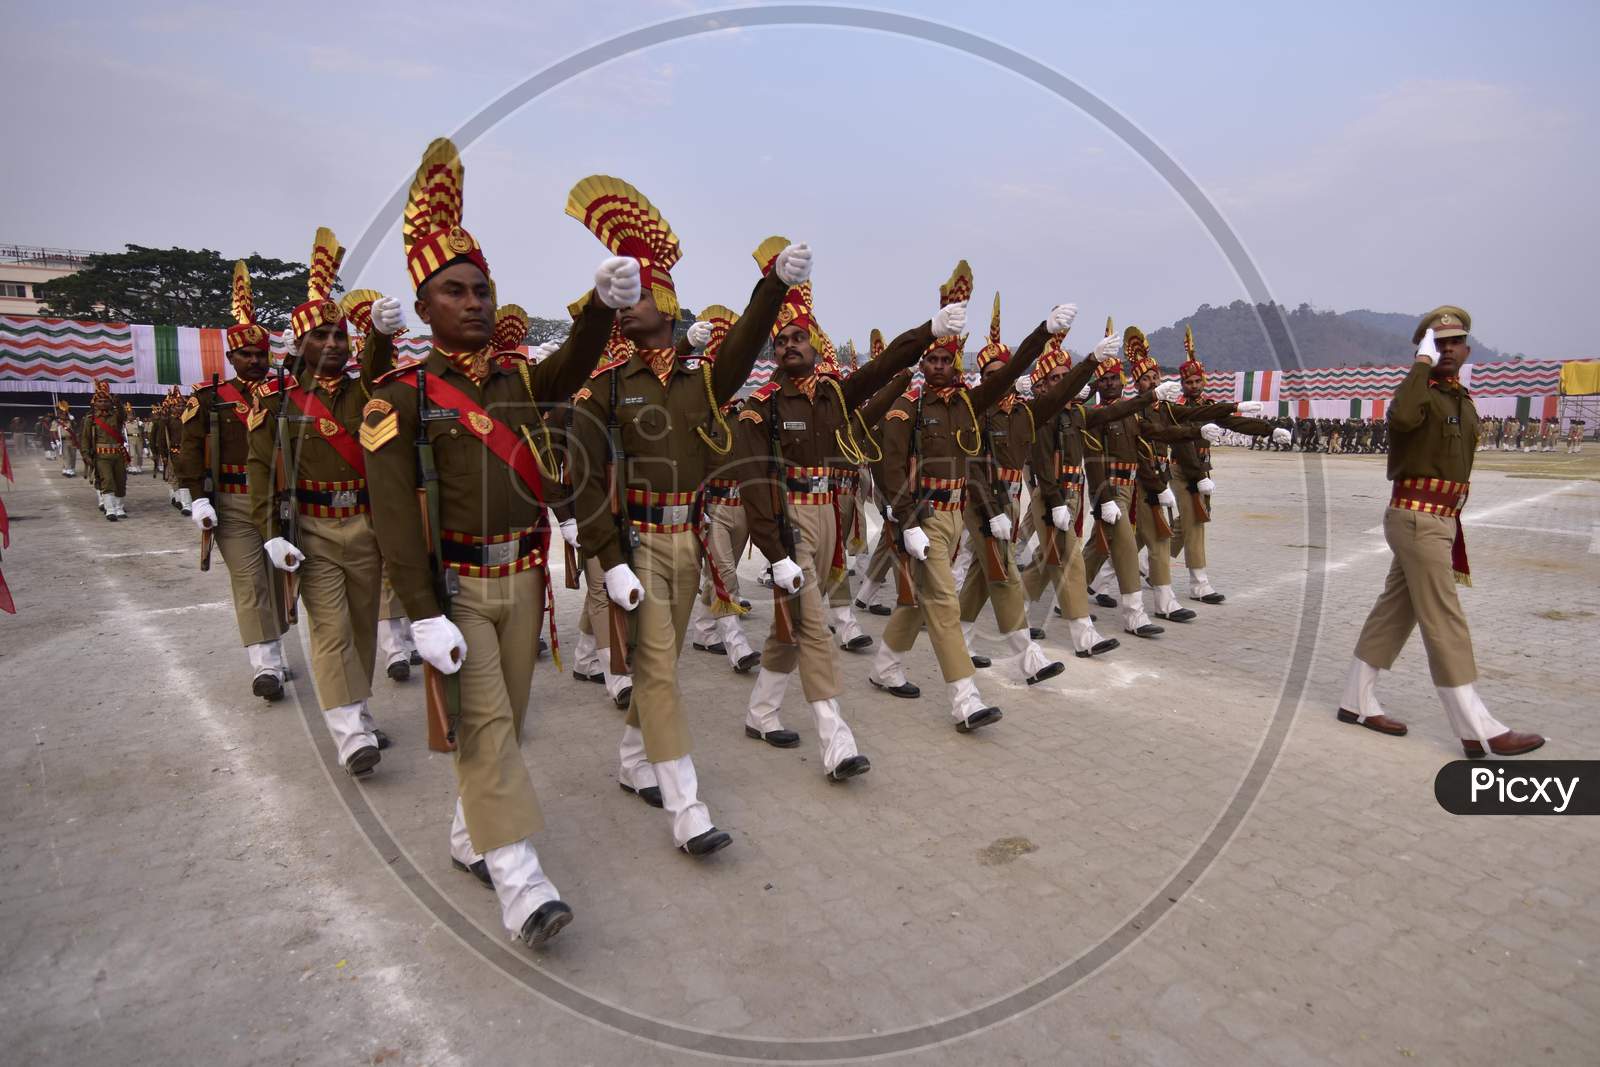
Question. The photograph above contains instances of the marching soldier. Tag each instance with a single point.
(794, 432)
(135, 431)
(458, 425)
(1575, 436)
(646, 430)
(177, 494)
(1059, 503)
(931, 438)
(847, 632)
(309, 497)
(1008, 429)
(219, 417)
(108, 448)
(1434, 424)
(1191, 461)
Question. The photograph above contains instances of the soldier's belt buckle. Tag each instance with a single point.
(1014, 489)
(674, 514)
(819, 484)
(501, 553)
(344, 498)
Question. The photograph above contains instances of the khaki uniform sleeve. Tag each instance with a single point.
(377, 358)
(902, 352)
(564, 371)
(192, 445)
(895, 482)
(1042, 458)
(754, 449)
(737, 356)
(588, 459)
(1409, 408)
(263, 441)
(388, 436)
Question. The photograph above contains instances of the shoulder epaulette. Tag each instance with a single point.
(198, 386)
(268, 387)
(391, 375)
(912, 393)
(766, 391)
(608, 366)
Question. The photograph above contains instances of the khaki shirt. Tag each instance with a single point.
(1433, 429)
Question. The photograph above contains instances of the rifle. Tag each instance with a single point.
(905, 585)
(211, 473)
(627, 536)
(287, 508)
(785, 606)
(442, 691)
(1052, 536)
(994, 563)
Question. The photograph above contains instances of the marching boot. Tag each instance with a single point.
(358, 749)
(1200, 588)
(1032, 663)
(266, 659)
(840, 760)
(1360, 705)
(968, 708)
(462, 857)
(889, 673)
(978, 661)
(530, 907)
(846, 631)
(185, 500)
(1480, 730)
(740, 654)
(369, 724)
(703, 631)
(1086, 640)
(122, 512)
(692, 830)
(1168, 608)
(636, 774)
(1134, 620)
(618, 686)
(586, 660)
(761, 720)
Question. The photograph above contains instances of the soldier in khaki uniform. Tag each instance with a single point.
(135, 432)
(227, 509)
(476, 592)
(665, 417)
(1008, 431)
(794, 433)
(335, 550)
(931, 439)
(1058, 502)
(1575, 436)
(1434, 424)
(106, 445)
(847, 632)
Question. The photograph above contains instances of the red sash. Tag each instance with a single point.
(111, 432)
(240, 406)
(496, 436)
(349, 449)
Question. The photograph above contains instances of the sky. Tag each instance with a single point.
(1378, 155)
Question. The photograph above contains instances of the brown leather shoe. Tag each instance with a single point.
(1381, 723)
(1509, 743)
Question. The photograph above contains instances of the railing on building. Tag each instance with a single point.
(35, 256)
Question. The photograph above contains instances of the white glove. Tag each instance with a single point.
(202, 514)
(569, 531)
(1109, 348)
(1212, 432)
(1000, 526)
(950, 320)
(387, 317)
(1169, 391)
(793, 265)
(700, 334)
(1166, 499)
(439, 641)
(1427, 349)
(542, 352)
(1060, 318)
(623, 587)
(1205, 485)
(284, 555)
(916, 542)
(1250, 409)
(1083, 394)
(616, 282)
(787, 575)
(1110, 513)
(1280, 436)
(1060, 516)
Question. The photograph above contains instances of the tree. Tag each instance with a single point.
(173, 287)
(542, 330)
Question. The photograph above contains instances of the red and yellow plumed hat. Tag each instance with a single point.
(1054, 355)
(431, 229)
(319, 309)
(102, 394)
(1137, 351)
(875, 343)
(510, 328)
(245, 332)
(995, 351)
(797, 308)
(1190, 366)
(1109, 367)
(956, 289)
(629, 225)
(721, 319)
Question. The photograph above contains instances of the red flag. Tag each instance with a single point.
(5, 526)
(7, 605)
(5, 460)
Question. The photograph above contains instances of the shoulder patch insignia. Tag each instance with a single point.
(581, 395)
(750, 415)
(375, 433)
(191, 409)
(898, 413)
(256, 417)
(377, 406)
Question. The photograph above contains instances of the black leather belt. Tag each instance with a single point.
(328, 498)
(496, 554)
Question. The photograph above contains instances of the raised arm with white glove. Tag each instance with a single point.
(616, 282)
(439, 641)
(1251, 409)
(1428, 350)
(1060, 318)
(700, 334)
(1169, 392)
(793, 265)
(1212, 432)
(787, 575)
(539, 353)
(950, 320)
(283, 554)
(1109, 348)
(624, 587)
(1280, 436)
(387, 318)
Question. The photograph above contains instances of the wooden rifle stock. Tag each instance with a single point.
(569, 558)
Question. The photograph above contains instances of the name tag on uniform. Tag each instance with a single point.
(997, 433)
(800, 425)
(930, 422)
(1451, 420)
(633, 400)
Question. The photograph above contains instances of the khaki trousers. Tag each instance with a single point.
(1009, 609)
(1420, 590)
(727, 532)
(839, 595)
(1068, 576)
(249, 571)
(500, 619)
(938, 605)
(668, 565)
(111, 474)
(814, 541)
(1124, 546)
(389, 606)
(1189, 537)
(1148, 537)
(597, 610)
(882, 558)
(136, 448)
(341, 582)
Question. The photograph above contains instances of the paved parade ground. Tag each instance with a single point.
(188, 878)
